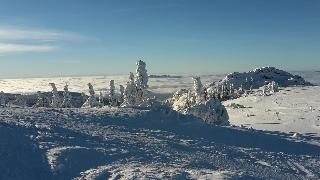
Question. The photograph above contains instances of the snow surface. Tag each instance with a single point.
(292, 110)
(126, 143)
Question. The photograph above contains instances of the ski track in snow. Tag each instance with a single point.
(141, 144)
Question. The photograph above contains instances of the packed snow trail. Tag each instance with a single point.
(131, 143)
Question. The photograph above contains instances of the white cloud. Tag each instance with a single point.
(18, 48)
(18, 39)
(16, 33)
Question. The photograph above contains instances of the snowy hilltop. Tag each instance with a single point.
(268, 79)
(261, 76)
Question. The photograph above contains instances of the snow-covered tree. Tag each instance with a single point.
(2, 99)
(121, 97)
(56, 100)
(130, 92)
(271, 87)
(112, 94)
(66, 103)
(91, 90)
(274, 87)
(91, 101)
(101, 98)
(40, 102)
(231, 89)
(180, 100)
(198, 90)
(18, 102)
(141, 82)
(210, 111)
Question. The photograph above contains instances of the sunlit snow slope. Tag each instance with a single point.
(292, 110)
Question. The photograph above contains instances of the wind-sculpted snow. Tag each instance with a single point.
(101, 143)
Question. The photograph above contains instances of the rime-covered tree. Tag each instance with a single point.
(91, 101)
(40, 102)
(101, 98)
(112, 94)
(141, 82)
(274, 87)
(271, 87)
(19, 101)
(121, 97)
(198, 90)
(2, 99)
(56, 100)
(130, 92)
(66, 103)
(141, 79)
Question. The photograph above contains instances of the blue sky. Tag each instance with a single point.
(82, 37)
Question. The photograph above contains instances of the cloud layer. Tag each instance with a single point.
(18, 48)
(23, 40)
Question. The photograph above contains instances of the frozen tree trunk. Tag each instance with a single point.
(2, 99)
(141, 82)
(56, 101)
(91, 101)
(112, 95)
(66, 103)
